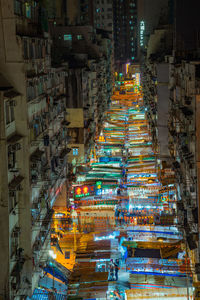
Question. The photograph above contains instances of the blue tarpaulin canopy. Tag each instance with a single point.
(54, 271)
(42, 294)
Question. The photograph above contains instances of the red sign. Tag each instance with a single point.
(83, 191)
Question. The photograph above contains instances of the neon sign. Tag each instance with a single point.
(101, 138)
(83, 191)
(98, 188)
(142, 28)
(137, 78)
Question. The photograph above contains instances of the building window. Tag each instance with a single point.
(18, 8)
(12, 200)
(25, 49)
(132, 27)
(12, 115)
(9, 112)
(79, 37)
(132, 57)
(67, 37)
(11, 159)
(14, 241)
(28, 10)
(75, 151)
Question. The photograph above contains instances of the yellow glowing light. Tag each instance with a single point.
(85, 190)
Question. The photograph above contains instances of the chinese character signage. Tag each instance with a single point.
(88, 190)
(101, 138)
(84, 191)
(98, 188)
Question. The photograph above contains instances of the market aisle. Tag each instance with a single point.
(129, 212)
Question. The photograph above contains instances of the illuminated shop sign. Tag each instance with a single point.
(142, 28)
(128, 83)
(98, 188)
(88, 190)
(137, 78)
(83, 191)
(101, 138)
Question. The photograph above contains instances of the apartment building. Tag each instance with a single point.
(184, 144)
(125, 32)
(156, 91)
(103, 15)
(171, 93)
(42, 93)
(34, 145)
(89, 84)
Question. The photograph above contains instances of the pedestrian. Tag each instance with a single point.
(116, 270)
(130, 252)
(111, 268)
(116, 215)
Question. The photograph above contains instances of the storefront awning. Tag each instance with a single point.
(55, 272)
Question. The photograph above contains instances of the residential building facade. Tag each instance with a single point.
(125, 31)
(34, 145)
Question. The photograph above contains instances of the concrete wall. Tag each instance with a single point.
(163, 107)
(75, 117)
(73, 13)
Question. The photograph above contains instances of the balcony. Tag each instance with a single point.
(15, 184)
(15, 276)
(36, 155)
(63, 154)
(186, 111)
(37, 128)
(43, 234)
